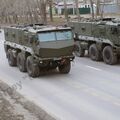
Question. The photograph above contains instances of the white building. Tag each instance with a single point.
(112, 7)
(71, 7)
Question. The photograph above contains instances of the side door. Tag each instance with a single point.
(113, 34)
(99, 32)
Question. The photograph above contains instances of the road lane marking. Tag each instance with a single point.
(93, 68)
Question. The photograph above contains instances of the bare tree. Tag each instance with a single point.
(29, 11)
(66, 11)
(85, 1)
(77, 9)
(92, 9)
(23, 11)
(50, 3)
(97, 8)
(102, 9)
(43, 11)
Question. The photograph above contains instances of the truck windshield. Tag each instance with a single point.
(53, 36)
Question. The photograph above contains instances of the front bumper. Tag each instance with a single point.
(71, 58)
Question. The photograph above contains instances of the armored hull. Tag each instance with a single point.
(100, 38)
(37, 48)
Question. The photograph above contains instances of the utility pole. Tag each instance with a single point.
(43, 11)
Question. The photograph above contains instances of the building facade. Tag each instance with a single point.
(71, 8)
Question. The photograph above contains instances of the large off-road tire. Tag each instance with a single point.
(79, 51)
(94, 53)
(21, 62)
(65, 68)
(32, 67)
(109, 56)
(6, 50)
(11, 59)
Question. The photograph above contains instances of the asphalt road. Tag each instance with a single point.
(90, 92)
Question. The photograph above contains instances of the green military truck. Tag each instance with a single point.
(100, 38)
(37, 48)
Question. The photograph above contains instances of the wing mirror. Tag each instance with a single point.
(36, 42)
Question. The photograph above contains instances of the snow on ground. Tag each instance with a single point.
(13, 106)
(90, 92)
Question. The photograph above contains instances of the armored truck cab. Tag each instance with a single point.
(38, 48)
(100, 38)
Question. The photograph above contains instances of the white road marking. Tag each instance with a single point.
(94, 68)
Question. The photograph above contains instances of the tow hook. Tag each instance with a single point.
(64, 61)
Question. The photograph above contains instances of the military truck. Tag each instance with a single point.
(101, 38)
(37, 48)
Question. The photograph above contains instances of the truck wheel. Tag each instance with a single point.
(65, 68)
(79, 51)
(32, 67)
(21, 62)
(108, 56)
(11, 58)
(94, 53)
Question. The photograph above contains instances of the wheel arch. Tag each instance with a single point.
(105, 44)
(27, 54)
(90, 43)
